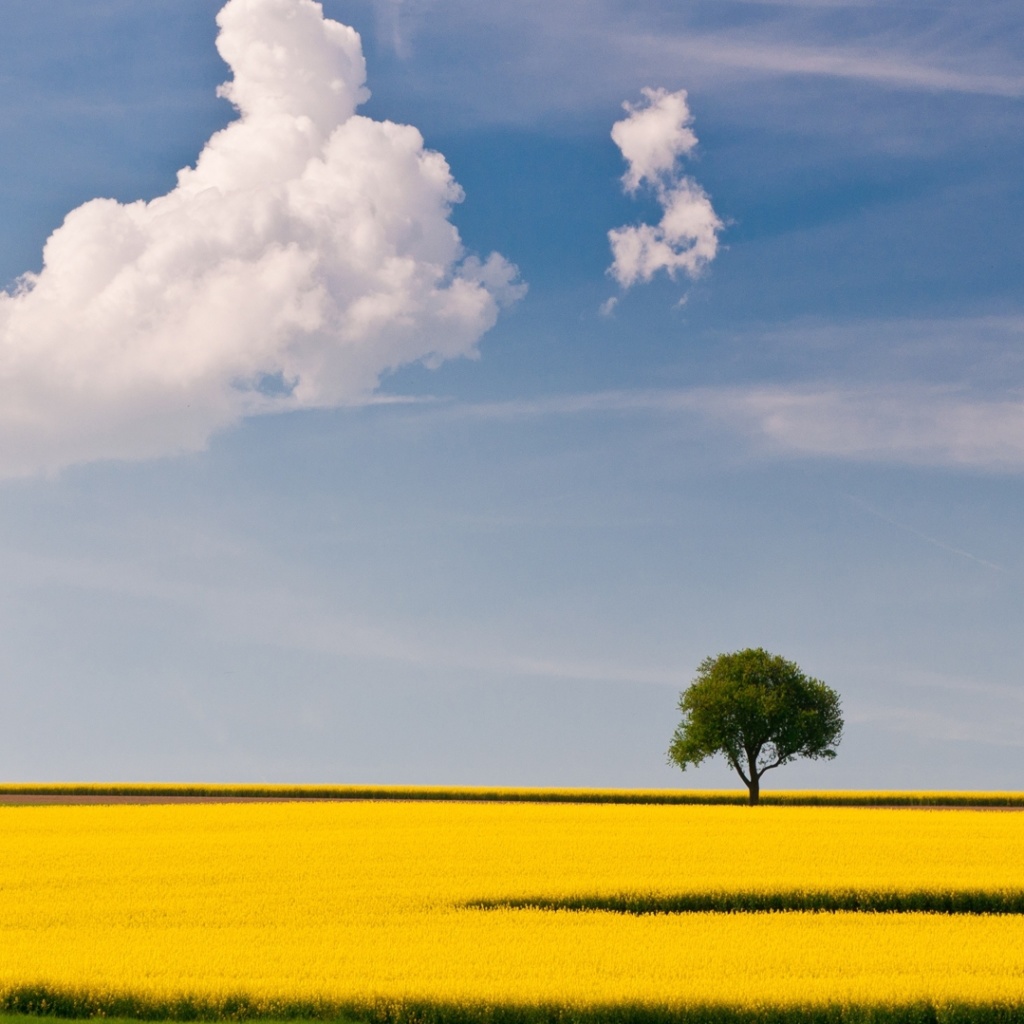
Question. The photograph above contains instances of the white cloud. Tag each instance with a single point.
(653, 139)
(307, 252)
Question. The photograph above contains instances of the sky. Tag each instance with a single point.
(417, 391)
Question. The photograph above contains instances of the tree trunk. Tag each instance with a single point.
(755, 788)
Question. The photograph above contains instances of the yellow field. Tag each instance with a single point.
(360, 906)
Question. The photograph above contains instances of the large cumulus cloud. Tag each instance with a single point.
(307, 252)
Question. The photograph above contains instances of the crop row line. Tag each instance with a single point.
(974, 901)
(42, 1001)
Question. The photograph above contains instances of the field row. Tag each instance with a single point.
(487, 794)
(863, 901)
(27, 1006)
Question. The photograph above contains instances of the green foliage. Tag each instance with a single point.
(758, 710)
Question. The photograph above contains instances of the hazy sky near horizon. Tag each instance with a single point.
(358, 452)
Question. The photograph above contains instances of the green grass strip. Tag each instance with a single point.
(970, 901)
(35, 1002)
(806, 798)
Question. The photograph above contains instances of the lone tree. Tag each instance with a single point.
(757, 709)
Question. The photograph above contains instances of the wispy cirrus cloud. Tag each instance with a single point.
(937, 392)
(917, 424)
(894, 68)
(296, 618)
(617, 48)
(912, 424)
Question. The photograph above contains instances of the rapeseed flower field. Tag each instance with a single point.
(418, 911)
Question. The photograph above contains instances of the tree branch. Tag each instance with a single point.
(739, 771)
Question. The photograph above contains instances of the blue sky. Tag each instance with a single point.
(504, 568)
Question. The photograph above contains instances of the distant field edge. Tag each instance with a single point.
(180, 792)
(23, 1006)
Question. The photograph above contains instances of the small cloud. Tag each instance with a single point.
(608, 306)
(309, 251)
(653, 139)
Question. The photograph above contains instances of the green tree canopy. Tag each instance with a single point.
(758, 710)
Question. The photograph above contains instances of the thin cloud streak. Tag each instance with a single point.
(292, 618)
(943, 48)
(914, 424)
(935, 725)
(779, 58)
(927, 538)
(951, 50)
(910, 424)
